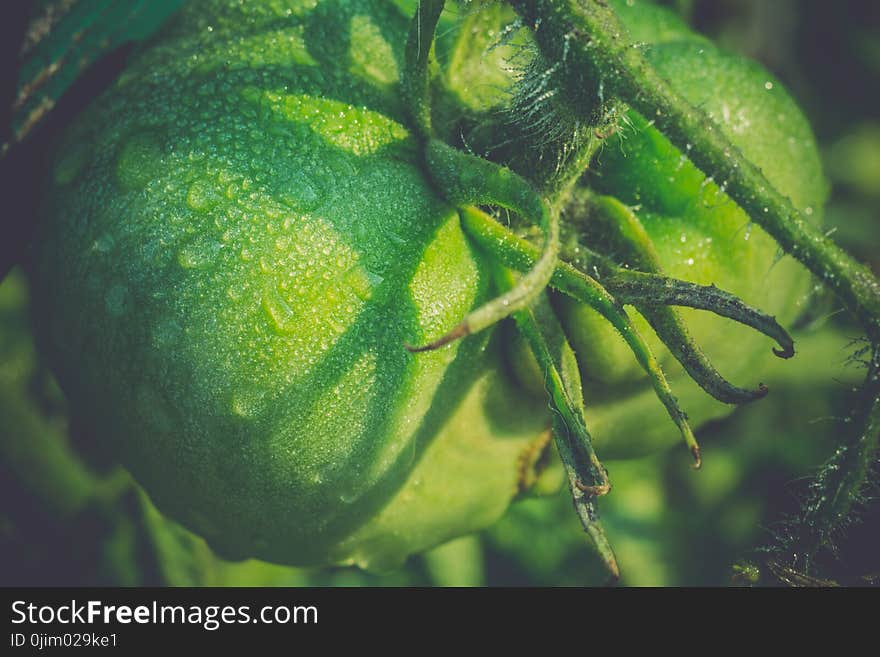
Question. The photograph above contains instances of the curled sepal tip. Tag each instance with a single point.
(786, 351)
(596, 490)
(585, 506)
(461, 330)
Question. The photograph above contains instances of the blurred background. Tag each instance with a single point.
(65, 520)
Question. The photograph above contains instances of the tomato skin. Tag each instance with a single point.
(237, 242)
(700, 235)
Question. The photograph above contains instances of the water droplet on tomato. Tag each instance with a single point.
(202, 196)
(140, 160)
(299, 192)
(198, 253)
(234, 292)
(248, 403)
(282, 318)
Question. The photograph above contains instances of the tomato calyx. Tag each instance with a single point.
(628, 272)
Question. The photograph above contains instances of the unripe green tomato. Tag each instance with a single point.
(238, 241)
(699, 233)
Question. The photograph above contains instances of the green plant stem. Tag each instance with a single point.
(518, 254)
(465, 179)
(417, 75)
(840, 486)
(587, 477)
(641, 288)
(559, 187)
(594, 46)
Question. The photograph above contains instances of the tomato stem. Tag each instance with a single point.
(587, 37)
(465, 179)
(594, 46)
(641, 288)
(840, 485)
(627, 286)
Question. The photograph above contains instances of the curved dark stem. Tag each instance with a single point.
(627, 287)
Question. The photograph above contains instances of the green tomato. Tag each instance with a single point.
(237, 243)
(239, 238)
(699, 233)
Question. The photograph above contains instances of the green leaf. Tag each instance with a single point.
(64, 38)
